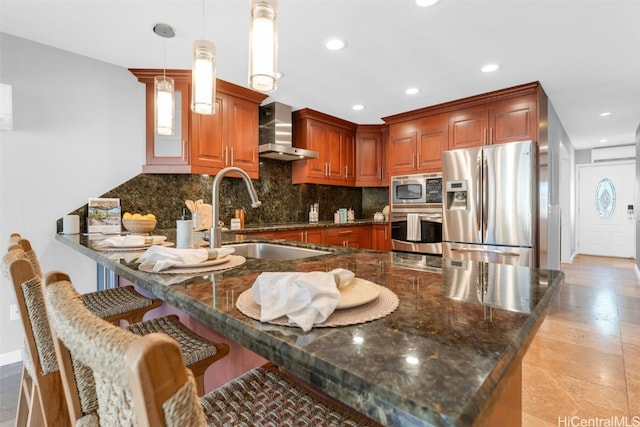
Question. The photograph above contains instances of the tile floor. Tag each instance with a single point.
(583, 364)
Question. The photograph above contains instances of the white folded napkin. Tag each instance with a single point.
(162, 257)
(305, 298)
(131, 240)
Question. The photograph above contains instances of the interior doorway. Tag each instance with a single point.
(606, 223)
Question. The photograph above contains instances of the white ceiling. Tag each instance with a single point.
(585, 53)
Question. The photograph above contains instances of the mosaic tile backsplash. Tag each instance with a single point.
(282, 202)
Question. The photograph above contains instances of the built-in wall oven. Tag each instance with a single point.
(416, 213)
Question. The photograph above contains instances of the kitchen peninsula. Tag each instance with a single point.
(450, 354)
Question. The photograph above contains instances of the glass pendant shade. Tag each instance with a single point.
(263, 46)
(164, 105)
(203, 78)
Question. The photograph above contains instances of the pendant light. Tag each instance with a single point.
(203, 75)
(263, 45)
(163, 90)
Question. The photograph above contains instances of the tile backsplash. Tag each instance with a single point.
(282, 202)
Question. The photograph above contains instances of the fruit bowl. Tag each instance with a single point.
(139, 225)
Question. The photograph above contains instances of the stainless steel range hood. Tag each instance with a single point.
(276, 134)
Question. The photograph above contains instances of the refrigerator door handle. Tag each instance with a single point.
(485, 196)
(478, 197)
(488, 251)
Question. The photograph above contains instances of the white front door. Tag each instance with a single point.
(605, 198)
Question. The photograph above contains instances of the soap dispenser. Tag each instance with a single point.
(184, 231)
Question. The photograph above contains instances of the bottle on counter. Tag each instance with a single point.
(240, 217)
(313, 214)
(184, 232)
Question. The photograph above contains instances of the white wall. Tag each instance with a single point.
(78, 131)
(559, 200)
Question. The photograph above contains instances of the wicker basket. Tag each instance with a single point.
(139, 225)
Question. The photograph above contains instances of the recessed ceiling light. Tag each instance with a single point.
(426, 3)
(412, 91)
(335, 44)
(604, 140)
(490, 68)
(605, 114)
(358, 107)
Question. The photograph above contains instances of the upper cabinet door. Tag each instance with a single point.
(370, 157)
(402, 151)
(513, 120)
(334, 151)
(434, 139)
(468, 128)
(243, 135)
(208, 135)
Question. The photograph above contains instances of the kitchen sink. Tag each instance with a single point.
(270, 251)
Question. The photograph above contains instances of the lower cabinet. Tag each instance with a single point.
(381, 237)
(314, 235)
(356, 236)
(348, 237)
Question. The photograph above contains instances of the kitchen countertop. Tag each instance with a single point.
(439, 359)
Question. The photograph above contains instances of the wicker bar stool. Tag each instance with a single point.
(41, 401)
(113, 305)
(142, 380)
(199, 352)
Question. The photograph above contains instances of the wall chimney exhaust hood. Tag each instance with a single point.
(276, 134)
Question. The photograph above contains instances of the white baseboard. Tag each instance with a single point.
(11, 357)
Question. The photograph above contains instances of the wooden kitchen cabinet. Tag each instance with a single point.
(433, 135)
(204, 143)
(168, 153)
(416, 146)
(229, 137)
(308, 235)
(417, 138)
(381, 237)
(334, 141)
(495, 123)
(371, 169)
(348, 237)
(356, 236)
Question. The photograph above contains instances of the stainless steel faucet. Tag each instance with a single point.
(215, 233)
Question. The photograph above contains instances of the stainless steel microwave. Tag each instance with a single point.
(417, 190)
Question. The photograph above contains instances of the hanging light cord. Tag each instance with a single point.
(202, 19)
(164, 59)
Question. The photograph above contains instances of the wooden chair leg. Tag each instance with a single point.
(22, 413)
(53, 402)
(36, 417)
(200, 384)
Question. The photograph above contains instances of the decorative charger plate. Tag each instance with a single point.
(223, 263)
(386, 302)
(121, 248)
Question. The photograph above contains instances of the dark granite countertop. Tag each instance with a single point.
(436, 360)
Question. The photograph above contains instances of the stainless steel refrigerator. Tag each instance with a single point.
(489, 210)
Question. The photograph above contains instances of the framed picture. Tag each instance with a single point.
(103, 216)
